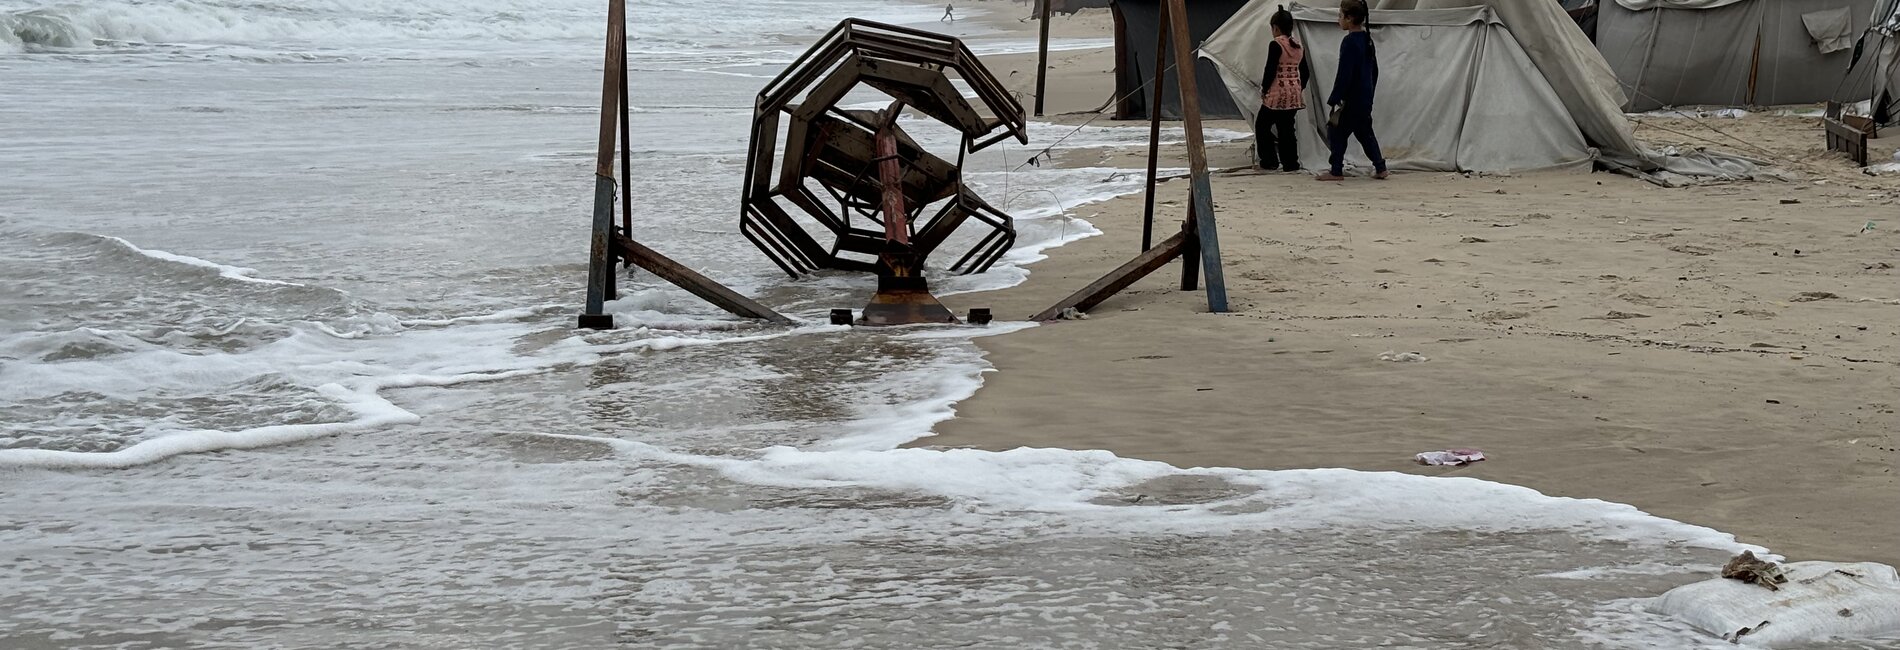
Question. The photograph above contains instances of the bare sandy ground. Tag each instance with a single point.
(1724, 355)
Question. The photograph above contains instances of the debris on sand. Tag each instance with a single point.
(1449, 457)
(1502, 315)
(1403, 357)
(1755, 571)
(1811, 296)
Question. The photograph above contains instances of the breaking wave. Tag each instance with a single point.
(322, 23)
(35, 26)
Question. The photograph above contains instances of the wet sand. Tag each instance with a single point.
(1724, 355)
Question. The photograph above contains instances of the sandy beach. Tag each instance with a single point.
(1725, 355)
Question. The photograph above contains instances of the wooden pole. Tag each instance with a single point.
(610, 87)
(1201, 214)
(610, 246)
(1154, 128)
(693, 282)
(1191, 254)
(1120, 278)
(600, 262)
(1042, 57)
(1754, 69)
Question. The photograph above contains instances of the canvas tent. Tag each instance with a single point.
(1136, 22)
(1570, 67)
(1880, 53)
(1585, 13)
(1458, 92)
(1732, 52)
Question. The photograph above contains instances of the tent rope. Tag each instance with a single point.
(1098, 113)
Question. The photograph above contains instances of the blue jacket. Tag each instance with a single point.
(1358, 76)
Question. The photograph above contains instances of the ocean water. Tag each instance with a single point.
(286, 360)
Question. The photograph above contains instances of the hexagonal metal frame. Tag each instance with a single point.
(836, 149)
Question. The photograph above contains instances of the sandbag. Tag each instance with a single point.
(1820, 601)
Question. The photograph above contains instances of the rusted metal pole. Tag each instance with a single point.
(1154, 128)
(1042, 57)
(903, 294)
(1201, 215)
(890, 176)
(600, 263)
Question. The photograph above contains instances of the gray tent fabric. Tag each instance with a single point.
(1588, 20)
(1587, 88)
(1136, 22)
(1639, 5)
(1749, 52)
(1456, 92)
(1832, 30)
(1883, 52)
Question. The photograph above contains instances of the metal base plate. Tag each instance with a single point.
(905, 301)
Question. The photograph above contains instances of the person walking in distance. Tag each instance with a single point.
(1353, 91)
(949, 13)
(1282, 95)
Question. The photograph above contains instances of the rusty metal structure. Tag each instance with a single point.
(863, 183)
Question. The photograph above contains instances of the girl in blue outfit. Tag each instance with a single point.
(1353, 89)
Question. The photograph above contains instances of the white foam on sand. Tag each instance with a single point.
(350, 373)
(1043, 493)
(1096, 484)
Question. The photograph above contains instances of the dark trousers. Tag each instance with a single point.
(1275, 141)
(1358, 126)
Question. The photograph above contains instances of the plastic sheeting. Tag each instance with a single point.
(1832, 30)
(1820, 601)
(1456, 92)
(1752, 52)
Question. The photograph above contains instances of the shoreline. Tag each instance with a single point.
(1598, 337)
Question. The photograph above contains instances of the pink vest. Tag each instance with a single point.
(1284, 93)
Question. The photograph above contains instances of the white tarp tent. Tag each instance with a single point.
(1732, 52)
(1456, 92)
(1570, 64)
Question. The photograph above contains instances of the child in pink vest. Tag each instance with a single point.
(1282, 95)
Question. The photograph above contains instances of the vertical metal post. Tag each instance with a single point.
(1154, 128)
(1042, 57)
(1201, 214)
(626, 145)
(600, 263)
(890, 175)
